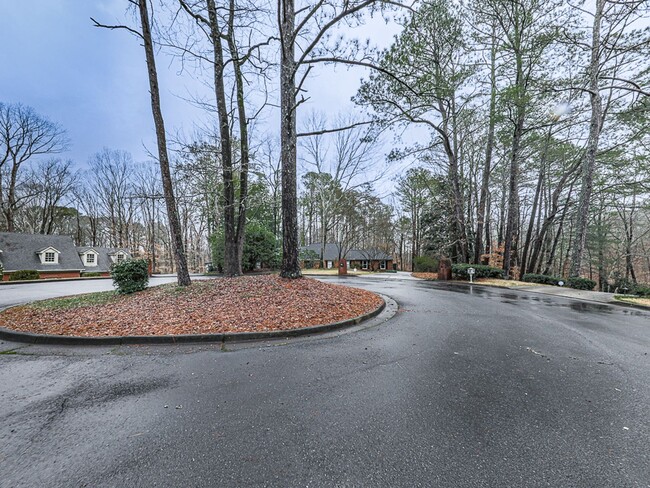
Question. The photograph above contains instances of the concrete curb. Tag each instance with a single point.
(28, 337)
(614, 302)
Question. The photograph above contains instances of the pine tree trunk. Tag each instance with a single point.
(163, 157)
(589, 162)
(290, 263)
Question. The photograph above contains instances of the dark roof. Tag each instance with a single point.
(332, 253)
(20, 251)
(104, 260)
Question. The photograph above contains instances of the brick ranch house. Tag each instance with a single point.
(364, 259)
(55, 256)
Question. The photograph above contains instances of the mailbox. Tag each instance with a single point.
(343, 267)
(471, 272)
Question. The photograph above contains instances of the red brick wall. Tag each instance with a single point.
(59, 274)
(52, 274)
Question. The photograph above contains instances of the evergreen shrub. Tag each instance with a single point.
(481, 271)
(425, 264)
(24, 274)
(130, 276)
(581, 283)
(541, 279)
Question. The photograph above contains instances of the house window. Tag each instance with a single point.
(329, 264)
(364, 264)
(90, 258)
(382, 265)
(50, 257)
(120, 258)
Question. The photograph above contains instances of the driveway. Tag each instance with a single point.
(11, 295)
(466, 386)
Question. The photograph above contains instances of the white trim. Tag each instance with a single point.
(115, 257)
(43, 254)
(84, 258)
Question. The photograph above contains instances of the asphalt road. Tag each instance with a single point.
(14, 294)
(464, 387)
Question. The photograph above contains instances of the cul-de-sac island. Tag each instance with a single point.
(357, 243)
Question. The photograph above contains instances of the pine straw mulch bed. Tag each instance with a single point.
(243, 304)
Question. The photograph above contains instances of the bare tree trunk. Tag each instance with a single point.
(589, 162)
(485, 181)
(536, 203)
(513, 196)
(163, 157)
(243, 142)
(290, 263)
(231, 265)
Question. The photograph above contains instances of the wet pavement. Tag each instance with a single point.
(466, 386)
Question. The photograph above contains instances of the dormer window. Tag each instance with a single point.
(119, 257)
(89, 257)
(49, 255)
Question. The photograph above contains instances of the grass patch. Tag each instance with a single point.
(9, 352)
(86, 300)
(644, 302)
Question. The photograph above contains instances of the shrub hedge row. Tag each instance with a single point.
(24, 274)
(481, 271)
(90, 274)
(581, 283)
(642, 290)
(541, 279)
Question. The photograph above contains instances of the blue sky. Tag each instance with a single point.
(94, 82)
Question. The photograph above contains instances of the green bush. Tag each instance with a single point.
(92, 274)
(541, 279)
(581, 283)
(481, 271)
(130, 276)
(260, 246)
(623, 285)
(642, 290)
(425, 264)
(24, 274)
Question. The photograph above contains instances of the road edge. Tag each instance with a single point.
(31, 338)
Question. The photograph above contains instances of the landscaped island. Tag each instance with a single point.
(243, 304)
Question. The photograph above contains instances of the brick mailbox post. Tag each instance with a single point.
(444, 269)
(343, 267)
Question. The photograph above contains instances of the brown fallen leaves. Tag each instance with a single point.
(243, 304)
(425, 276)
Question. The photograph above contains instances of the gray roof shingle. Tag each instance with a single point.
(20, 251)
(332, 253)
(104, 260)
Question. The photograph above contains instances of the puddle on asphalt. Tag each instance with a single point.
(511, 298)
